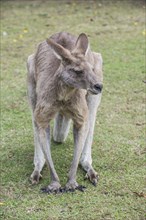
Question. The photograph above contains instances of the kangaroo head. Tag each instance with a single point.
(76, 71)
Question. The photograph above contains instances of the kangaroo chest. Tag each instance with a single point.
(75, 109)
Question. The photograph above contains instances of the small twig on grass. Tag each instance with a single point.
(141, 194)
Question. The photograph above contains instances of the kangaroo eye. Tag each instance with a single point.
(79, 71)
(76, 71)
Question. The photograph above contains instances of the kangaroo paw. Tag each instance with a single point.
(35, 177)
(92, 176)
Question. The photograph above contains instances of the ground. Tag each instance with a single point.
(116, 30)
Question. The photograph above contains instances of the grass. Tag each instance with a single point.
(116, 29)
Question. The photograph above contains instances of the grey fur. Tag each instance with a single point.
(62, 74)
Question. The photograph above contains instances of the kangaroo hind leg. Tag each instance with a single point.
(39, 159)
(86, 157)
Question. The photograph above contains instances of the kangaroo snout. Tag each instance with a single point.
(98, 87)
(95, 89)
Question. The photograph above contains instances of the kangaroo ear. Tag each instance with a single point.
(81, 44)
(60, 52)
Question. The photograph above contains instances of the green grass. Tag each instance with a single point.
(116, 29)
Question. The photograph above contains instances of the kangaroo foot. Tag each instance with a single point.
(54, 187)
(72, 185)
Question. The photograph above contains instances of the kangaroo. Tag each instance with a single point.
(64, 84)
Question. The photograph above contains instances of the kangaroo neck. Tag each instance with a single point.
(63, 91)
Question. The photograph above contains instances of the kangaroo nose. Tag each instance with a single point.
(98, 87)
